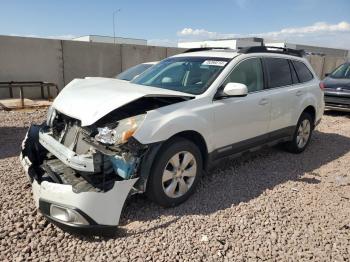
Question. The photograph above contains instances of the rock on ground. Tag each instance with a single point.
(269, 205)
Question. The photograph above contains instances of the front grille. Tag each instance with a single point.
(68, 131)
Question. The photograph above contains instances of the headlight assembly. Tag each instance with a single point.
(119, 135)
(51, 115)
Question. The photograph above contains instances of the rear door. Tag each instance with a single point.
(281, 79)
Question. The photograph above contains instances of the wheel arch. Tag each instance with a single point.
(198, 140)
(311, 111)
(147, 162)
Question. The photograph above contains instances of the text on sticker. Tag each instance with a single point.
(214, 63)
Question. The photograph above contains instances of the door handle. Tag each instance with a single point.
(299, 93)
(263, 102)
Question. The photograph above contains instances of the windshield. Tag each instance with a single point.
(342, 71)
(185, 74)
(131, 73)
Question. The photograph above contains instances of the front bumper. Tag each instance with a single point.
(67, 156)
(99, 211)
(337, 100)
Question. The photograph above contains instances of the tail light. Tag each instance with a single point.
(322, 86)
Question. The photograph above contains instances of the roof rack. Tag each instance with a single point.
(271, 49)
(204, 49)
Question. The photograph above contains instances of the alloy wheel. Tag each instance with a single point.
(304, 131)
(179, 174)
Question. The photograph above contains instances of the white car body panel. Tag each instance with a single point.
(240, 118)
(91, 203)
(193, 115)
(221, 122)
(84, 99)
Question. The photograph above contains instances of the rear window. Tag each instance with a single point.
(278, 72)
(303, 72)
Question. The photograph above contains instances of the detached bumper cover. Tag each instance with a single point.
(101, 209)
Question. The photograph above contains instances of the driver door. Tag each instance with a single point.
(242, 122)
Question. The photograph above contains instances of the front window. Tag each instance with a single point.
(342, 71)
(248, 72)
(184, 74)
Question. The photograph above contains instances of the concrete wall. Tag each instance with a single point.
(30, 59)
(59, 61)
(135, 54)
(83, 59)
(170, 51)
(323, 50)
(325, 64)
(317, 64)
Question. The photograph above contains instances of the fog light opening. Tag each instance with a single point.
(67, 215)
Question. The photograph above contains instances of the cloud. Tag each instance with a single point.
(317, 28)
(320, 33)
(203, 34)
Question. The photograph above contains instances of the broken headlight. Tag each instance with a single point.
(119, 135)
(51, 115)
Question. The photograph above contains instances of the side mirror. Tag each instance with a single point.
(326, 74)
(233, 89)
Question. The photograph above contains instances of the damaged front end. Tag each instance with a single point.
(81, 176)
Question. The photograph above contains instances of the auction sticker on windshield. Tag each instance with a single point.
(214, 63)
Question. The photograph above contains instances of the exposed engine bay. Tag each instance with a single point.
(92, 158)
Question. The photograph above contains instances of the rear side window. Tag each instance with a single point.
(278, 72)
(303, 72)
(294, 74)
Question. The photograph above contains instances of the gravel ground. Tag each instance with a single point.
(269, 205)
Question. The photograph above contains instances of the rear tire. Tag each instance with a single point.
(175, 173)
(302, 134)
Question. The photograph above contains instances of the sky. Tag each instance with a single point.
(165, 22)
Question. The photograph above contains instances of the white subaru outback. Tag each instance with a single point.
(105, 139)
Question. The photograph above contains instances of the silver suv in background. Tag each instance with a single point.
(337, 88)
(132, 72)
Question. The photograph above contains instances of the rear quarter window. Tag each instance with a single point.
(303, 72)
(278, 72)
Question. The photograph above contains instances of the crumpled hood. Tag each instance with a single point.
(90, 99)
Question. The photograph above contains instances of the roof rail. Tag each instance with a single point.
(272, 49)
(204, 49)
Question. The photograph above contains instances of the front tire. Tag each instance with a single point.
(175, 173)
(302, 134)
